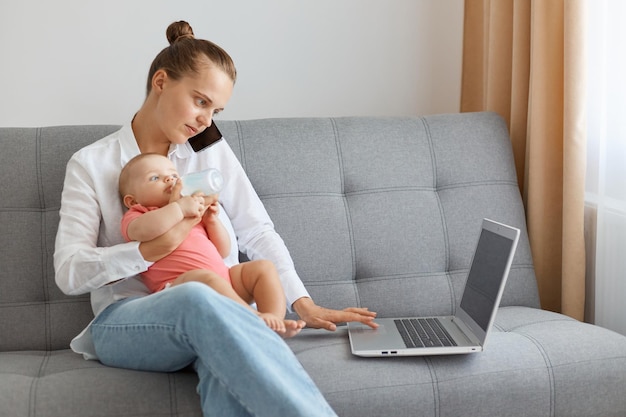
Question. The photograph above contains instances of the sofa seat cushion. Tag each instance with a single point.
(532, 366)
(61, 383)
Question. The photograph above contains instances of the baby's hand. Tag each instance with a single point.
(210, 199)
(212, 211)
(192, 205)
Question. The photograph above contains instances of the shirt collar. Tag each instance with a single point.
(128, 144)
(183, 151)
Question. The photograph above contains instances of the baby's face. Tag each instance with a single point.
(152, 180)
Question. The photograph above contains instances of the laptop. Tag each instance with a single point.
(467, 330)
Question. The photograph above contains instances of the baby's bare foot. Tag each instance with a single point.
(285, 328)
(273, 322)
(292, 328)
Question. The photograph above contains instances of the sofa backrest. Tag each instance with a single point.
(379, 212)
(34, 313)
(386, 212)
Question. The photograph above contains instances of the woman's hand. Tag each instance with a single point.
(325, 318)
(165, 244)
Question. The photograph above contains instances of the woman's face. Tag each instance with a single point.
(186, 106)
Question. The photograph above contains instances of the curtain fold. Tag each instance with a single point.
(526, 61)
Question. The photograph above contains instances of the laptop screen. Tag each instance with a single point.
(483, 282)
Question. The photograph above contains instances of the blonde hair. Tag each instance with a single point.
(127, 171)
(185, 55)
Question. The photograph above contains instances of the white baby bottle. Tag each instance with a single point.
(209, 181)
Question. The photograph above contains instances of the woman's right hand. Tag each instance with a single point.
(165, 244)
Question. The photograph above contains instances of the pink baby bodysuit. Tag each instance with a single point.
(196, 252)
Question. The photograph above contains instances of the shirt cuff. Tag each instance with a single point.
(125, 260)
(293, 287)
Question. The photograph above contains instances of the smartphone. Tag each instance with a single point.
(206, 138)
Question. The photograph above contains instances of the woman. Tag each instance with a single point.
(244, 367)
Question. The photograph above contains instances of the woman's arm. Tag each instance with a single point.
(256, 236)
(258, 239)
(166, 243)
(89, 249)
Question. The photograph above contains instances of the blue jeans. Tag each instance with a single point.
(244, 368)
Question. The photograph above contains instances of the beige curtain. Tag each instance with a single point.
(525, 59)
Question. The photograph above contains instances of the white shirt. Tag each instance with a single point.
(91, 252)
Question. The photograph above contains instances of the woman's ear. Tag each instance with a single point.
(129, 200)
(158, 80)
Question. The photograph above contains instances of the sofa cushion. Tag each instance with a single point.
(536, 363)
(61, 383)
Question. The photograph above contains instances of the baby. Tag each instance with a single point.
(150, 189)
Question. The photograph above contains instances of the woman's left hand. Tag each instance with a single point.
(325, 318)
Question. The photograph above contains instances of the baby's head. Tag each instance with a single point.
(147, 179)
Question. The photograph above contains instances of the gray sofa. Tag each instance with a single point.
(377, 212)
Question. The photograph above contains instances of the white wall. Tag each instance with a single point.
(86, 61)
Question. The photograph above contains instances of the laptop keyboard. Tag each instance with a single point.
(423, 333)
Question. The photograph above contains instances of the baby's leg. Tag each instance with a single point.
(214, 281)
(259, 281)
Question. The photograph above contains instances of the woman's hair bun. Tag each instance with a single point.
(178, 30)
